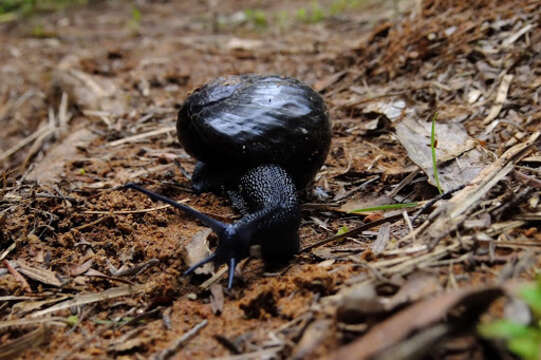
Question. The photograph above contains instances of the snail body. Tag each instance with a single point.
(260, 139)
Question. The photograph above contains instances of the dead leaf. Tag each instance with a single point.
(453, 143)
(42, 275)
(393, 109)
(76, 270)
(197, 249)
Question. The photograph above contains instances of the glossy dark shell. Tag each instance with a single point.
(245, 121)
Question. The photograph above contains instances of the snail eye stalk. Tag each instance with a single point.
(232, 264)
(217, 226)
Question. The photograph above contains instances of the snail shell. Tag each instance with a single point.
(248, 120)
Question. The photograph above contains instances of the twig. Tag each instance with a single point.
(217, 276)
(527, 180)
(353, 232)
(8, 250)
(83, 299)
(63, 116)
(125, 212)
(408, 179)
(17, 276)
(23, 143)
(429, 204)
(170, 351)
(137, 268)
(371, 99)
(84, 226)
(142, 136)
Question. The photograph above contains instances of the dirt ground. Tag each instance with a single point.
(88, 102)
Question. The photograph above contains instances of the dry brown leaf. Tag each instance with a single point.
(79, 269)
(453, 143)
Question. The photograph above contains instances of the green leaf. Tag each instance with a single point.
(503, 329)
(72, 320)
(532, 295)
(136, 15)
(301, 14)
(342, 230)
(527, 347)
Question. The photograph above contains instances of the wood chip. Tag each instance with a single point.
(217, 298)
(500, 99)
(382, 239)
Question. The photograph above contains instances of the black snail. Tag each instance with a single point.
(259, 138)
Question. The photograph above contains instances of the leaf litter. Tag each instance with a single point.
(97, 109)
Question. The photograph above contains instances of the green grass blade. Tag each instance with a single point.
(385, 207)
(432, 146)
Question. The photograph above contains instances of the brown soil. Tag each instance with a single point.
(61, 209)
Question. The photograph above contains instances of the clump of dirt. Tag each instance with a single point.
(289, 295)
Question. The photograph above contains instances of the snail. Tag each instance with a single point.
(260, 139)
